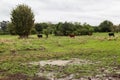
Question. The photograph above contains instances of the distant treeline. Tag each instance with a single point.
(63, 28)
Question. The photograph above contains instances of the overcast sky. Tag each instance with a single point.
(90, 11)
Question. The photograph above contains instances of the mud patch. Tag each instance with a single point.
(62, 62)
(20, 76)
(75, 69)
(60, 69)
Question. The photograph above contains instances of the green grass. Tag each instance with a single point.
(15, 52)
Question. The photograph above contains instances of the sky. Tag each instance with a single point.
(90, 11)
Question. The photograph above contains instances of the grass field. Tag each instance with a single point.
(100, 49)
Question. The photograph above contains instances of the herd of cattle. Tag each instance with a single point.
(73, 36)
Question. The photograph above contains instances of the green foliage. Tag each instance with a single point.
(39, 28)
(11, 28)
(58, 29)
(106, 26)
(33, 30)
(96, 29)
(116, 28)
(65, 29)
(22, 18)
(86, 29)
(46, 32)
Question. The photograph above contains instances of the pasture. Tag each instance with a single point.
(101, 53)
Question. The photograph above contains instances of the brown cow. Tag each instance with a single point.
(72, 36)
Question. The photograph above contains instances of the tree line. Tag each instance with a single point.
(22, 24)
(63, 28)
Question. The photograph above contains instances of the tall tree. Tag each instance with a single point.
(106, 26)
(22, 18)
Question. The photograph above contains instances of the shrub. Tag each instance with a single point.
(23, 20)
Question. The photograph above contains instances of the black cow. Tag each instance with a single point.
(111, 34)
(39, 36)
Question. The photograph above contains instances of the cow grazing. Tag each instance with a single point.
(90, 33)
(72, 36)
(39, 36)
(111, 34)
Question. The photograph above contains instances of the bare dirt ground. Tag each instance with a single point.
(20, 76)
(51, 75)
(61, 62)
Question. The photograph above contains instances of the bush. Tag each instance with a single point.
(11, 29)
(23, 20)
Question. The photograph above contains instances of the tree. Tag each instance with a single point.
(96, 29)
(41, 26)
(58, 29)
(33, 30)
(78, 28)
(51, 27)
(46, 32)
(106, 26)
(68, 28)
(86, 29)
(64, 29)
(116, 28)
(22, 18)
(3, 26)
(38, 28)
(11, 28)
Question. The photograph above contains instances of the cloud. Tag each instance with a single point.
(90, 11)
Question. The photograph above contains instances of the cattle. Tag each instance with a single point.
(72, 36)
(90, 33)
(111, 34)
(39, 36)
